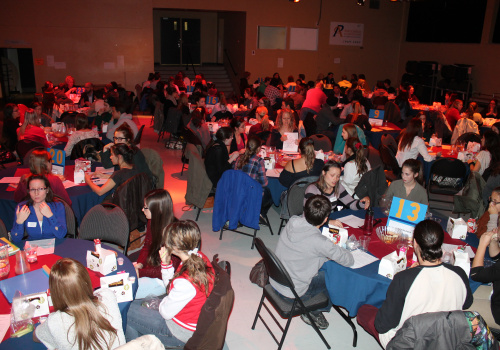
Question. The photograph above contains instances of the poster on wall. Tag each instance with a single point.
(342, 33)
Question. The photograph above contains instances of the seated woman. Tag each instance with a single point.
(82, 133)
(490, 153)
(250, 101)
(489, 304)
(222, 108)
(306, 165)
(464, 125)
(489, 220)
(357, 118)
(82, 318)
(473, 114)
(250, 163)
(39, 216)
(198, 126)
(43, 118)
(412, 144)
(409, 187)
(285, 123)
(491, 111)
(348, 130)
(124, 135)
(263, 127)
(159, 210)
(32, 130)
(217, 158)
(188, 287)
(356, 165)
(41, 164)
(329, 186)
(100, 109)
(240, 137)
(121, 155)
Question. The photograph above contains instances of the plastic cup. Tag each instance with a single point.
(120, 261)
(32, 254)
(131, 279)
(364, 242)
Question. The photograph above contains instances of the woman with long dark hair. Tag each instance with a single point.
(412, 144)
(306, 165)
(217, 158)
(356, 166)
(410, 186)
(82, 319)
(489, 154)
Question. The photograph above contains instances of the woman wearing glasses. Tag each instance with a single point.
(124, 134)
(39, 216)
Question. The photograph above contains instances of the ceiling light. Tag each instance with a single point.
(361, 2)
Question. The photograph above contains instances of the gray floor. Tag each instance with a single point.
(236, 249)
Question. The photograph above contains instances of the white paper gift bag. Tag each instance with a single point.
(120, 285)
(391, 264)
(457, 228)
(336, 234)
(103, 261)
(462, 259)
(38, 300)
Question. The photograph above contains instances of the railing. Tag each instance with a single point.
(190, 59)
(234, 77)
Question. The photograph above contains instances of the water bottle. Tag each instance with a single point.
(368, 226)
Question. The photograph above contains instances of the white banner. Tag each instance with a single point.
(342, 33)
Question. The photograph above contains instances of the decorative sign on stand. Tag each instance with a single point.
(405, 214)
(376, 117)
(58, 160)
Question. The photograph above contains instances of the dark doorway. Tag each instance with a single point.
(180, 41)
(17, 72)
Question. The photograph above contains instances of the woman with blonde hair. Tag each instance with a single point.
(356, 164)
(40, 163)
(263, 125)
(473, 114)
(31, 129)
(83, 319)
(285, 123)
(187, 289)
(306, 165)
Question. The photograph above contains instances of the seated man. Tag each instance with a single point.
(303, 250)
(431, 286)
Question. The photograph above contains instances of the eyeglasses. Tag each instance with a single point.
(145, 208)
(492, 201)
(119, 138)
(37, 190)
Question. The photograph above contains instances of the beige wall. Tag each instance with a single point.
(208, 21)
(483, 56)
(84, 35)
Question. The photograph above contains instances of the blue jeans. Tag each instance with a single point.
(305, 111)
(142, 321)
(316, 287)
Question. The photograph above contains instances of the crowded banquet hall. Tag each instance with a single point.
(212, 175)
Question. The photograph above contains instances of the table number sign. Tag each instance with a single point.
(376, 117)
(405, 214)
(58, 160)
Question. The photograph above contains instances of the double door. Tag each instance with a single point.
(180, 41)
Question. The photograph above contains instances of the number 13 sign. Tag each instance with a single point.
(406, 210)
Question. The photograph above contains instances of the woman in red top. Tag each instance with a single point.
(159, 210)
(453, 114)
(32, 130)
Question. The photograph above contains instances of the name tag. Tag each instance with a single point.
(31, 224)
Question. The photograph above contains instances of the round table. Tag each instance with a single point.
(68, 248)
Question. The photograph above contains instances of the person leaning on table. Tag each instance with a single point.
(429, 286)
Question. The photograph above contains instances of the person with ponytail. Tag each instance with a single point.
(253, 165)
(123, 156)
(356, 164)
(82, 319)
(306, 165)
(188, 287)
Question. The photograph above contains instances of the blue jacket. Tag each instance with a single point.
(238, 199)
(51, 227)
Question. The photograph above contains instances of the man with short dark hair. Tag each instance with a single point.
(303, 250)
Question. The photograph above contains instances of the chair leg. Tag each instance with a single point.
(285, 331)
(258, 311)
(349, 321)
(281, 226)
(221, 231)
(253, 239)
(198, 215)
(268, 224)
(313, 324)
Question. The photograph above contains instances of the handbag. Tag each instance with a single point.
(258, 274)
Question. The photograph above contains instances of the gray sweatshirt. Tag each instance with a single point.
(303, 250)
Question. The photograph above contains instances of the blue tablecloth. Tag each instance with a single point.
(82, 198)
(375, 137)
(351, 288)
(76, 249)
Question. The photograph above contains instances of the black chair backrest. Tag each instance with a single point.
(107, 222)
(448, 167)
(274, 267)
(464, 139)
(223, 115)
(3, 230)
(296, 193)
(68, 118)
(24, 146)
(70, 216)
(321, 142)
(79, 148)
(388, 141)
(137, 139)
(190, 137)
(389, 159)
